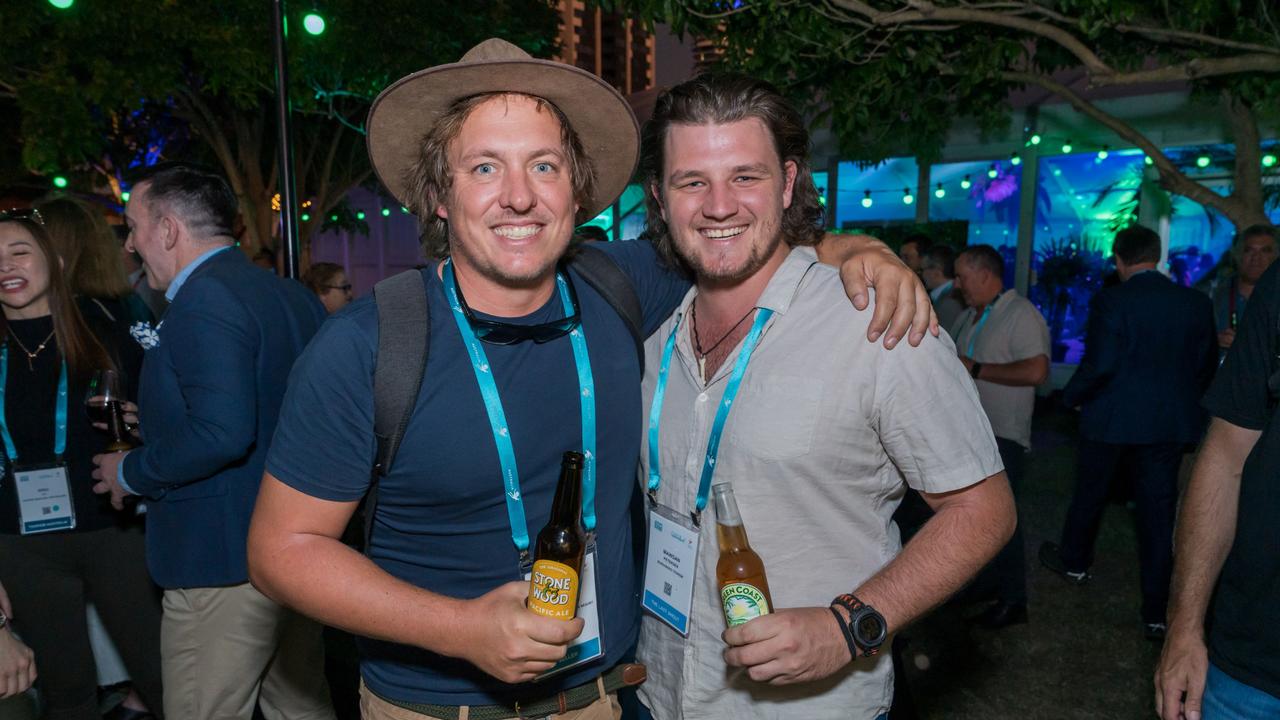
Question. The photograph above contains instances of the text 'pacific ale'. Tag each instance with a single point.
(553, 587)
(744, 590)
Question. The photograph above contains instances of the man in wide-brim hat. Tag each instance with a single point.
(500, 155)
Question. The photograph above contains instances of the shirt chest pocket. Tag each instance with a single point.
(775, 418)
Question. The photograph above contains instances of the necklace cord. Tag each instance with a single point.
(697, 341)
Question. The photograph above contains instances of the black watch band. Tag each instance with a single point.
(975, 370)
(866, 628)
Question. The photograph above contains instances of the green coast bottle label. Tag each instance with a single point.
(553, 590)
(742, 602)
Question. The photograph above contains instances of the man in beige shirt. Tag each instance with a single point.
(825, 435)
(1004, 343)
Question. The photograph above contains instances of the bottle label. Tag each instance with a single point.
(742, 602)
(553, 590)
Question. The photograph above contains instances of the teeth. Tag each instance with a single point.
(516, 232)
(12, 284)
(724, 232)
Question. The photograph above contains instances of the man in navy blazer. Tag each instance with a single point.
(209, 397)
(1150, 353)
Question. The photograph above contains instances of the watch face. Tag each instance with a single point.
(870, 628)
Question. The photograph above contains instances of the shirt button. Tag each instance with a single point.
(702, 397)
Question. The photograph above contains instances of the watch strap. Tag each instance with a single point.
(853, 606)
(975, 370)
(847, 633)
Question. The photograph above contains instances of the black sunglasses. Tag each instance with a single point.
(500, 333)
(31, 214)
(344, 288)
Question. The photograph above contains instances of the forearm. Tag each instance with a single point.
(323, 578)
(1205, 530)
(836, 248)
(1019, 373)
(962, 536)
(193, 453)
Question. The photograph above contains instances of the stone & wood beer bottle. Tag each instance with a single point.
(557, 565)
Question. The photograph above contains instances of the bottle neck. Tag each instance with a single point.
(567, 507)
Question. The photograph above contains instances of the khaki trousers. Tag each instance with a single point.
(373, 707)
(225, 649)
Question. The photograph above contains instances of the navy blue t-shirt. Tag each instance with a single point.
(441, 520)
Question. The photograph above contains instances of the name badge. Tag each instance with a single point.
(671, 558)
(589, 645)
(44, 499)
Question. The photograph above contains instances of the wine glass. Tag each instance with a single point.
(103, 403)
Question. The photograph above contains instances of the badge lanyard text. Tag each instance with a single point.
(498, 419)
(60, 416)
(722, 412)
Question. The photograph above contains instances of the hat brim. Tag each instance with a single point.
(404, 112)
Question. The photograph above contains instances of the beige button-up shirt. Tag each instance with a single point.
(824, 432)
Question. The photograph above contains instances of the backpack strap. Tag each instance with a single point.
(404, 336)
(602, 273)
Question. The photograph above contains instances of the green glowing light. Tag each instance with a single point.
(59, 181)
(907, 197)
(1147, 159)
(306, 217)
(62, 4)
(1057, 172)
(360, 215)
(386, 212)
(1203, 161)
(313, 23)
(966, 183)
(1015, 159)
(333, 218)
(1066, 148)
(940, 192)
(1102, 154)
(124, 196)
(1268, 160)
(404, 210)
(992, 173)
(866, 199)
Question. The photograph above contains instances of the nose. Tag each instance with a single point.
(517, 193)
(720, 202)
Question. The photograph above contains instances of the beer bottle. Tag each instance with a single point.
(744, 590)
(553, 587)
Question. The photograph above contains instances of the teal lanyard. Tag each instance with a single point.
(977, 327)
(722, 412)
(60, 416)
(498, 418)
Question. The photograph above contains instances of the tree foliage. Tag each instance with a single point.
(891, 76)
(103, 86)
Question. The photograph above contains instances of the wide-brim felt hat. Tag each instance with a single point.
(404, 112)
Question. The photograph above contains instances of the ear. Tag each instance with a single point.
(442, 212)
(169, 232)
(789, 171)
(656, 191)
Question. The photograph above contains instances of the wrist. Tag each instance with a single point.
(975, 369)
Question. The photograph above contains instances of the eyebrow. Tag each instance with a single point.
(751, 167)
(487, 153)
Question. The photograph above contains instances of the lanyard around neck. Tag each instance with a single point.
(498, 418)
(60, 415)
(977, 327)
(722, 412)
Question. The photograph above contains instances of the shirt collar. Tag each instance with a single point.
(185, 273)
(941, 290)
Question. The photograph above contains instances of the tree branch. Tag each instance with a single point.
(1192, 70)
(1195, 38)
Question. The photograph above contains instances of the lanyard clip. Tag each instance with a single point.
(526, 562)
(696, 516)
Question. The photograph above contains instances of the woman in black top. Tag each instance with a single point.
(48, 354)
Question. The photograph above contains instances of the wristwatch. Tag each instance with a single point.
(975, 370)
(866, 627)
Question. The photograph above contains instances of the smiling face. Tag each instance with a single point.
(511, 207)
(24, 274)
(723, 191)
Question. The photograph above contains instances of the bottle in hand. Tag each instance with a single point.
(744, 589)
(557, 565)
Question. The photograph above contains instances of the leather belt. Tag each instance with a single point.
(575, 698)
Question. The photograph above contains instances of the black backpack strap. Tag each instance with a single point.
(602, 273)
(404, 337)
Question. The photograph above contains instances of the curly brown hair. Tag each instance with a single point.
(719, 98)
(430, 178)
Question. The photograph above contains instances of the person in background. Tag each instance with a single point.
(590, 233)
(1253, 252)
(938, 271)
(265, 258)
(912, 251)
(54, 561)
(91, 260)
(329, 282)
(1004, 343)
